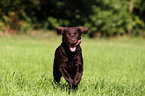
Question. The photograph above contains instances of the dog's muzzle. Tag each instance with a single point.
(72, 48)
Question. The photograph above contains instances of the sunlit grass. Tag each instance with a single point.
(111, 67)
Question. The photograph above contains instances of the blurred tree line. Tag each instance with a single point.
(102, 17)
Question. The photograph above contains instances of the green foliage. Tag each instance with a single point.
(139, 17)
(111, 67)
(110, 17)
(51, 23)
(103, 17)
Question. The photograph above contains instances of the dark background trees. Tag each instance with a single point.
(103, 17)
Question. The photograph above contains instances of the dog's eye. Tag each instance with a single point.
(69, 34)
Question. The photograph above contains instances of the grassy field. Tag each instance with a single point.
(111, 67)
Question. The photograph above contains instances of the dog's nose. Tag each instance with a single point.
(73, 41)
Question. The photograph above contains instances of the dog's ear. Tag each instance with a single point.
(84, 30)
(59, 30)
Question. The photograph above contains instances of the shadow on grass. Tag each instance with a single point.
(63, 87)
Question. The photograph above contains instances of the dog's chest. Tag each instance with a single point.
(70, 65)
(71, 68)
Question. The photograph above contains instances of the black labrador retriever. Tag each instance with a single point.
(68, 61)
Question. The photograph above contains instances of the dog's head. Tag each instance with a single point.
(71, 36)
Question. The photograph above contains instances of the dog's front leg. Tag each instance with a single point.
(78, 75)
(66, 76)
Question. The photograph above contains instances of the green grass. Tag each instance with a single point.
(111, 67)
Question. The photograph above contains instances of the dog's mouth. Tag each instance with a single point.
(72, 47)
